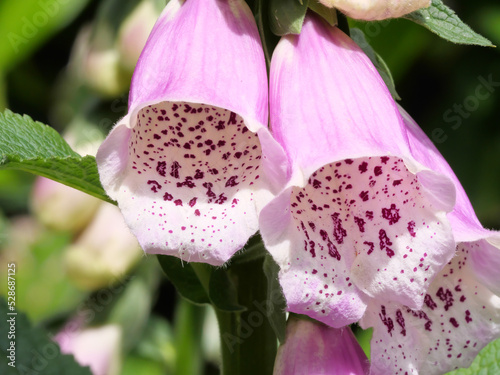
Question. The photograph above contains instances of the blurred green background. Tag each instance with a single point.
(438, 83)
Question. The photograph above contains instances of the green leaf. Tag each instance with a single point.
(25, 25)
(487, 362)
(287, 16)
(359, 37)
(269, 40)
(35, 352)
(275, 310)
(185, 280)
(328, 14)
(33, 147)
(443, 21)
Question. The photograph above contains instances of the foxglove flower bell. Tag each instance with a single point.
(371, 10)
(461, 311)
(315, 349)
(188, 163)
(360, 219)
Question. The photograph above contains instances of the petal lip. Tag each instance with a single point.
(465, 224)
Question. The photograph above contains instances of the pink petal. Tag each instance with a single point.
(465, 224)
(459, 317)
(98, 348)
(359, 215)
(315, 349)
(484, 245)
(193, 161)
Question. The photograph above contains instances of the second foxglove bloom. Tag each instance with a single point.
(361, 219)
(188, 163)
(461, 310)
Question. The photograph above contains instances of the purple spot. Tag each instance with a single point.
(192, 202)
(361, 223)
(454, 322)
(411, 228)
(385, 242)
(363, 167)
(316, 184)
(156, 186)
(386, 320)
(232, 119)
(167, 197)
(332, 251)
(429, 302)
(401, 321)
(174, 169)
(446, 297)
(199, 174)
(377, 170)
(391, 214)
(311, 248)
(231, 181)
(161, 167)
(371, 245)
(364, 196)
(396, 182)
(338, 231)
(468, 319)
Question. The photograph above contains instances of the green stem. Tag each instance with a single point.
(188, 331)
(248, 342)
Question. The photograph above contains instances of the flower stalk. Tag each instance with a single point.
(248, 342)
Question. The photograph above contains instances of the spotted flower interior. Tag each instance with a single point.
(458, 318)
(198, 168)
(363, 228)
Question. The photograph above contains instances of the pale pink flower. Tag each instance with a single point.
(361, 219)
(371, 10)
(188, 163)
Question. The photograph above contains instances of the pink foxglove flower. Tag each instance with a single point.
(316, 349)
(360, 219)
(370, 10)
(188, 163)
(461, 311)
(97, 347)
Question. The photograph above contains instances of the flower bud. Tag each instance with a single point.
(104, 252)
(98, 348)
(370, 10)
(316, 349)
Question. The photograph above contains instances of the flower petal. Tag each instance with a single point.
(459, 317)
(315, 349)
(218, 60)
(193, 161)
(465, 224)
